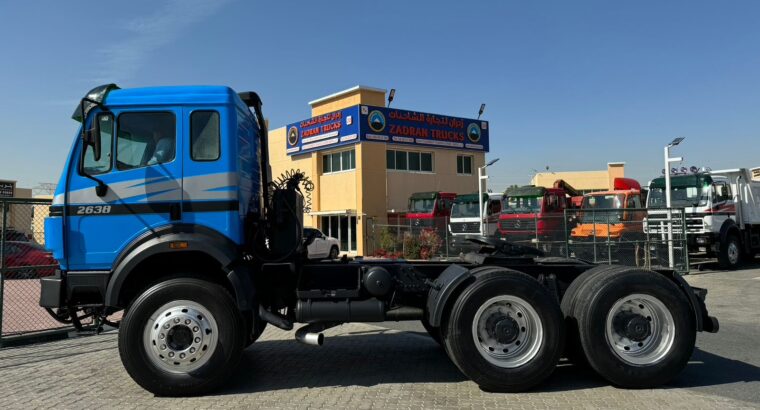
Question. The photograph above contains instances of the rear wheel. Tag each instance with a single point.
(505, 331)
(729, 256)
(635, 327)
(181, 337)
(570, 301)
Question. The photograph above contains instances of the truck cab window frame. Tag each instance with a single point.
(141, 143)
(205, 136)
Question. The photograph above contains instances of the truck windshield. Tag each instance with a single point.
(607, 206)
(680, 196)
(521, 204)
(465, 210)
(421, 206)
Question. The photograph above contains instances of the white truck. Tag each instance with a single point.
(465, 218)
(722, 213)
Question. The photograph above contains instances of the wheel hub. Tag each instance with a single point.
(506, 330)
(633, 326)
(181, 337)
(640, 329)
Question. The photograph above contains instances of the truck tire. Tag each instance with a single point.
(573, 349)
(505, 331)
(730, 254)
(636, 328)
(181, 337)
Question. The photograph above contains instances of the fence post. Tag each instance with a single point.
(4, 210)
(609, 242)
(593, 218)
(567, 244)
(685, 242)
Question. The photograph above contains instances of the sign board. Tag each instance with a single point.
(330, 130)
(7, 189)
(390, 125)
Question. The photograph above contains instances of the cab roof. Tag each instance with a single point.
(173, 95)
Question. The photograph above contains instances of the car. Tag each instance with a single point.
(19, 254)
(322, 246)
(14, 235)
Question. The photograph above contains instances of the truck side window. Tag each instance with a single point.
(204, 135)
(103, 165)
(722, 192)
(145, 138)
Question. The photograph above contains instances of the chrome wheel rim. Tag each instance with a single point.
(640, 329)
(180, 336)
(507, 331)
(733, 253)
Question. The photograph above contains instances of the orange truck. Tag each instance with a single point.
(610, 224)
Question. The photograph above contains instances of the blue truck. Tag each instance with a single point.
(167, 210)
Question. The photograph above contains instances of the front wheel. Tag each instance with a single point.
(181, 337)
(505, 331)
(333, 252)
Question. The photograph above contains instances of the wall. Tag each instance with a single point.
(583, 180)
(402, 184)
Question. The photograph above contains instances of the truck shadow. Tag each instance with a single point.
(374, 358)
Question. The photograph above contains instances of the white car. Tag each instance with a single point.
(323, 246)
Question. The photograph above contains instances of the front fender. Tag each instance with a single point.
(182, 238)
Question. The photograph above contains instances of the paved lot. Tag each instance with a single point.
(365, 366)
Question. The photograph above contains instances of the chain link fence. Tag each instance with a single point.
(611, 236)
(23, 261)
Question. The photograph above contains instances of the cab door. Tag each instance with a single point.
(140, 163)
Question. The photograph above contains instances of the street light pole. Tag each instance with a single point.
(668, 161)
(481, 177)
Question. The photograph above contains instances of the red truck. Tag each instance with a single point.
(430, 209)
(536, 215)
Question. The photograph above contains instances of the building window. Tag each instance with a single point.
(464, 165)
(339, 161)
(409, 161)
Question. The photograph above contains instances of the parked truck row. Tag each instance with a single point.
(166, 210)
(722, 217)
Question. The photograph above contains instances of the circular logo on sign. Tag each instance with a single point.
(292, 136)
(376, 121)
(473, 132)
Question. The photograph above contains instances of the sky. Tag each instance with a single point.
(569, 85)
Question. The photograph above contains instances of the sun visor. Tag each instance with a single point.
(94, 97)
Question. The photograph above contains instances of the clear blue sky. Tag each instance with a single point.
(568, 84)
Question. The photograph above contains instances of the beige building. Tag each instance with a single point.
(583, 181)
(361, 176)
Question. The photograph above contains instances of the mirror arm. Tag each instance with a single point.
(101, 189)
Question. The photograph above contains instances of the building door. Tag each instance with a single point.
(341, 227)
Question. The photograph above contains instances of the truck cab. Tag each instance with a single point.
(721, 213)
(152, 167)
(430, 209)
(534, 215)
(465, 217)
(610, 222)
